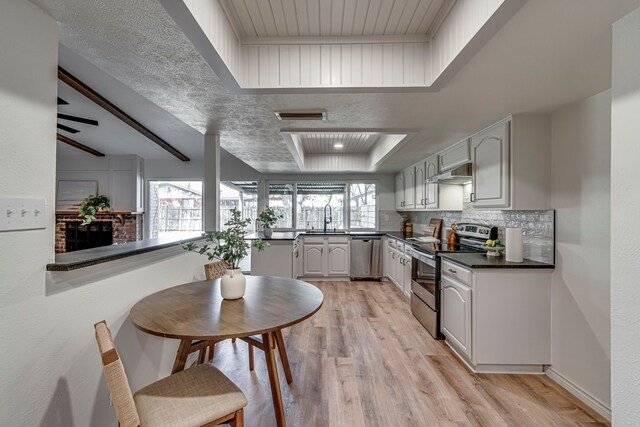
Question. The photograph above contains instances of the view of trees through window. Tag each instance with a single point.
(242, 195)
(314, 198)
(174, 207)
(362, 206)
(281, 201)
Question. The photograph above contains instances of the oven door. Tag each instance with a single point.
(424, 278)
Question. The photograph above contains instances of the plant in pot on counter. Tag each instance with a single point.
(231, 247)
(93, 205)
(268, 218)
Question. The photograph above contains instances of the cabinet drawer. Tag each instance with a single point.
(338, 239)
(313, 239)
(452, 270)
(392, 243)
(400, 247)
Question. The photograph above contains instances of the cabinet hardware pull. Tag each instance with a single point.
(451, 270)
(473, 197)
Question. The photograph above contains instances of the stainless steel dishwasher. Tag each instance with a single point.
(366, 257)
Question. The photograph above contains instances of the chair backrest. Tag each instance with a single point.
(117, 381)
(215, 270)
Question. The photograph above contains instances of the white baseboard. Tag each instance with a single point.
(591, 401)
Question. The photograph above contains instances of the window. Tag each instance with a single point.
(312, 199)
(362, 206)
(174, 207)
(281, 201)
(242, 195)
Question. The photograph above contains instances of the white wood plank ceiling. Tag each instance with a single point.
(346, 18)
(324, 142)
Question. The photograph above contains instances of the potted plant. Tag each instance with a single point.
(268, 218)
(93, 205)
(231, 247)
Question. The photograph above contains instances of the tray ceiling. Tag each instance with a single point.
(319, 18)
(324, 143)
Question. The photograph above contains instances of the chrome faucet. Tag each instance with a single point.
(325, 216)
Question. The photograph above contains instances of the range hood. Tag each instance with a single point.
(459, 175)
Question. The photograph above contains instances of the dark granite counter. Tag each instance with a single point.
(292, 235)
(88, 257)
(480, 260)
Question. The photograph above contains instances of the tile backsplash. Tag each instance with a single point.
(537, 226)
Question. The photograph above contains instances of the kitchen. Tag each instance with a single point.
(529, 115)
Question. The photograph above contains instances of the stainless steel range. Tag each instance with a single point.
(425, 271)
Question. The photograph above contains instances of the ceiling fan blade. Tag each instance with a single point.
(67, 128)
(62, 101)
(78, 119)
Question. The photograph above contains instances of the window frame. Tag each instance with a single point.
(146, 229)
(346, 208)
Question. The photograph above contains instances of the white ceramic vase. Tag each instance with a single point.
(268, 232)
(233, 284)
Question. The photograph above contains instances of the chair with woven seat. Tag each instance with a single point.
(198, 396)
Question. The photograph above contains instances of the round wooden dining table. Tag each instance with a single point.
(197, 315)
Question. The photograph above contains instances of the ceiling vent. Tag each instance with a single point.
(301, 115)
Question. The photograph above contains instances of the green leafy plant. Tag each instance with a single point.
(229, 245)
(268, 218)
(93, 205)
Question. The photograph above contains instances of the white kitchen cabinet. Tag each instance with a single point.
(431, 193)
(420, 185)
(325, 256)
(406, 276)
(338, 259)
(510, 164)
(455, 155)
(409, 188)
(455, 314)
(277, 259)
(399, 189)
(490, 165)
(313, 262)
(297, 259)
(497, 320)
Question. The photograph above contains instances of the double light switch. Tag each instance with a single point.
(22, 213)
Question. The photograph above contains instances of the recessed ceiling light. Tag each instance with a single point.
(338, 145)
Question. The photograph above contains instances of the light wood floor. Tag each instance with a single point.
(364, 360)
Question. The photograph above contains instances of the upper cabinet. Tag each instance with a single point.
(510, 164)
(431, 189)
(456, 155)
(400, 190)
(410, 188)
(490, 167)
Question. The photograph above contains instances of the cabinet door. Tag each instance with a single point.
(455, 155)
(410, 188)
(338, 259)
(406, 276)
(393, 261)
(490, 157)
(420, 177)
(296, 262)
(313, 264)
(400, 191)
(431, 188)
(455, 312)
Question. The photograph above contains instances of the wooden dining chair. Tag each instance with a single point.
(198, 396)
(216, 270)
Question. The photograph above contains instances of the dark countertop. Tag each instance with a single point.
(478, 260)
(292, 235)
(88, 257)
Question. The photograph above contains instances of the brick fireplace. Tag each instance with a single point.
(125, 226)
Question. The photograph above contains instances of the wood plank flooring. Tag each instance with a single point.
(364, 360)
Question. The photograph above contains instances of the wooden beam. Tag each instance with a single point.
(98, 99)
(78, 145)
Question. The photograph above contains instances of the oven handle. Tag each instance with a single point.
(417, 254)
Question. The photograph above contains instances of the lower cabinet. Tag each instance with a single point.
(274, 260)
(497, 320)
(325, 256)
(455, 312)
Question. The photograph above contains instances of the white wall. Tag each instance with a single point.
(580, 292)
(625, 207)
(50, 367)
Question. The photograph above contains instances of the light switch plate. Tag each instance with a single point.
(22, 213)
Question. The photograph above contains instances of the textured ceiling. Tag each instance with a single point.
(521, 69)
(291, 18)
(323, 143)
